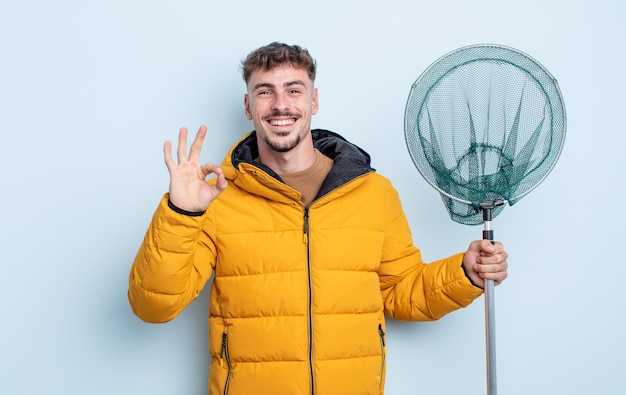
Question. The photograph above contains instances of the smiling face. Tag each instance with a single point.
(280, 102)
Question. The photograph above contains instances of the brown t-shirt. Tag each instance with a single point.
(309, 181)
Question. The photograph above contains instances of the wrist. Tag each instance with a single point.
(184, 212)
(469, 277)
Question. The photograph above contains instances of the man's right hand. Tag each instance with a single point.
(189, 190)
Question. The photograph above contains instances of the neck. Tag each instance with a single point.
(299, 158)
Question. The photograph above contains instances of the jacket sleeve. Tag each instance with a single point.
(172, 265)
(413, 290)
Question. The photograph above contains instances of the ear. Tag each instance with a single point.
(315, 102)
(246, 105)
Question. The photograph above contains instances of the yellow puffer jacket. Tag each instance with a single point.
(299, 296)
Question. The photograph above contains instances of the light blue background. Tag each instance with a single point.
(89, 90)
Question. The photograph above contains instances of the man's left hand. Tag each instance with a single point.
(485, 260)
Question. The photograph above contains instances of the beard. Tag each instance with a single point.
(284, 147)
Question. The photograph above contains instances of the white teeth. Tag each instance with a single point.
(281, 122)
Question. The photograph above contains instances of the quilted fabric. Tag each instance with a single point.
(299, 296)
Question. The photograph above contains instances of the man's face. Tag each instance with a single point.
(280, 103)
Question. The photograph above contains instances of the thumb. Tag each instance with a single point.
(220, 181)
(487, 246)
(481, 246)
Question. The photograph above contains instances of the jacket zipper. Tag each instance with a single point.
(383, 350)
(224, 355)
(310, 287)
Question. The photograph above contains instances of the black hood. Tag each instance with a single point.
(350, 160)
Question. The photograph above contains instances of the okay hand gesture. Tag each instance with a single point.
(189, 190)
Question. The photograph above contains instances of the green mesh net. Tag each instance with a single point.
(484, 123)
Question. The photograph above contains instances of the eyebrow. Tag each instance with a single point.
(286, 84)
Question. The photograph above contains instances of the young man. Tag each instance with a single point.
(309, 247)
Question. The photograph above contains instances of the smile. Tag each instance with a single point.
(282, 122)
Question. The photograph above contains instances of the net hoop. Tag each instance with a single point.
(486, 53)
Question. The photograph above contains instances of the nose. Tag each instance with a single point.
(280, 102)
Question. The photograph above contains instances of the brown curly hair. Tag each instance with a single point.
(275, 55)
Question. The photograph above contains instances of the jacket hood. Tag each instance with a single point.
(350, 160)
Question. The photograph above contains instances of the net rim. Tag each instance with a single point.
(506, 49)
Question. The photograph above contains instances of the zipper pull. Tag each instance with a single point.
(223, 352)
(306, 225)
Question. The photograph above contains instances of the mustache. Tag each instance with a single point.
(279, 114)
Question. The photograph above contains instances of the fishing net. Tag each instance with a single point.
(484, 123)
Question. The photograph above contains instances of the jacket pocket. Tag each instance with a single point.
(383, 356)
(225, 361)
